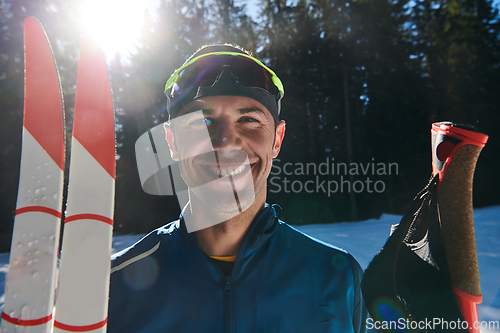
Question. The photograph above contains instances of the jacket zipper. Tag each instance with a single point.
(228, 308)
(228, 283)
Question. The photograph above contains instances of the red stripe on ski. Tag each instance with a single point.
(73, 328)
(26, 322)
(43, 107)
(89, 217)
(40, 209)
(94, 117)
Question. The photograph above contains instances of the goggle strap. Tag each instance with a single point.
(175, 76)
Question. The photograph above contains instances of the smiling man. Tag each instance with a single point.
(229, 264)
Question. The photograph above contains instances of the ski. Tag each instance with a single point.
(30, 284)
(82, 292)
(82, 296)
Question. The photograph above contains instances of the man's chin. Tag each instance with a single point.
(219, 202)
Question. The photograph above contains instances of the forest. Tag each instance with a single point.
(364, 80)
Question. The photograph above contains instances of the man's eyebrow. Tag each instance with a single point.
(207, 111)
(250, 109)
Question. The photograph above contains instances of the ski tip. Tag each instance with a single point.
(94, 111)
(33, 27)
(43, 105)
(31, 20)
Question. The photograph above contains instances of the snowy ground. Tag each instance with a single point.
(364, 239)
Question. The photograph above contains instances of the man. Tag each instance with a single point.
(228, 264)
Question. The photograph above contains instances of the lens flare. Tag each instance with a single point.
(116, 24)
(387, 311)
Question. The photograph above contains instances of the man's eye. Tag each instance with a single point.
(249, 120)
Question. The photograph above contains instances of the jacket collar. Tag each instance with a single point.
(262, 227)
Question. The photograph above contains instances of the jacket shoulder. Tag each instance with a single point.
(306, 240)
(317, 247)
(143, 248)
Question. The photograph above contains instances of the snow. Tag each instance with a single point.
(364, 239)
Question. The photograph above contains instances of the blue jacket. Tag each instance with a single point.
(282, 281)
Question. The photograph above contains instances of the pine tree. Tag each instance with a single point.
(460, 47)
(394, 115)
(232, 25)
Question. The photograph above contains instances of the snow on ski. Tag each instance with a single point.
(82, 296)
(30, 285)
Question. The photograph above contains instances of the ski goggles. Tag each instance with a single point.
(224, 73)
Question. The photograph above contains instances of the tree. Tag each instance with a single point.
(232, 25)
(460, 54)
(394, 115)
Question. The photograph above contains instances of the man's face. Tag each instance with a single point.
(241, 142)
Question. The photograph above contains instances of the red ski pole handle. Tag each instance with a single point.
(455, 150)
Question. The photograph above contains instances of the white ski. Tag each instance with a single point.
(30, 285)
(82, 296)
(82, 292)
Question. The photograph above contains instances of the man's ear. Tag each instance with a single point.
(169, 135)
(278, 139)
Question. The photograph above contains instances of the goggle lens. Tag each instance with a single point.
(205, 71)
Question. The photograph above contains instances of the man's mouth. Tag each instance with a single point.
(226, 171)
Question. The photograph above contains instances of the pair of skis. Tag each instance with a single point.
(82, 285)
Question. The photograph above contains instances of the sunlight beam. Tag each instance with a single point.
(116, 24)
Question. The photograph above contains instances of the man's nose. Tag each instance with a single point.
(225, 135)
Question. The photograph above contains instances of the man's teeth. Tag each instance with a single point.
(229, 171)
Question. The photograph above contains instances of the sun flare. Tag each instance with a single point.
(115, 23)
